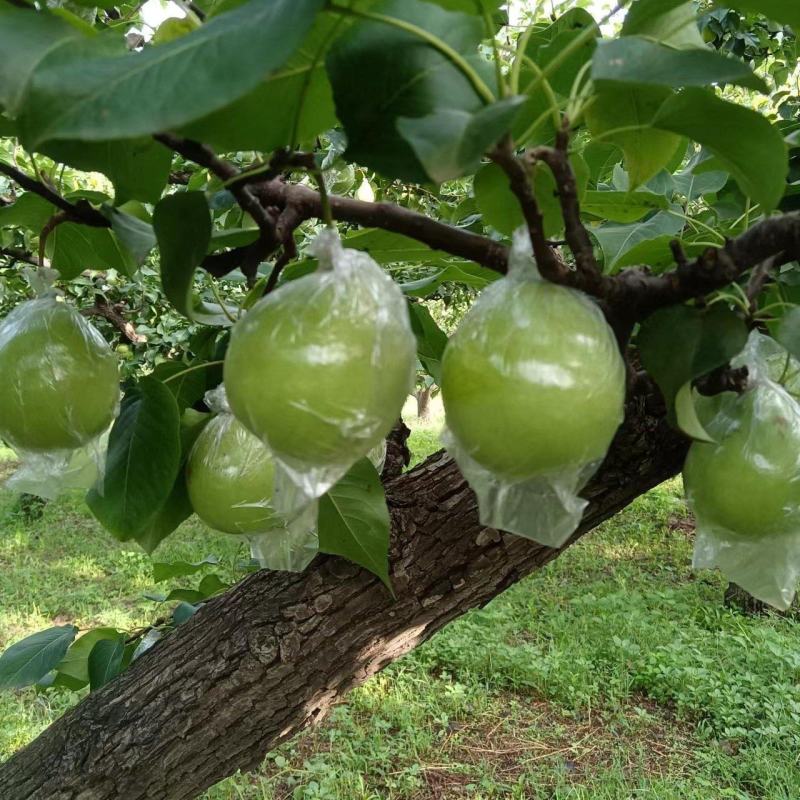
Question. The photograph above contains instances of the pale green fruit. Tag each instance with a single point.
(60, 380)
(532, 380)
(229, 476)
(748, 482)
(320, 369)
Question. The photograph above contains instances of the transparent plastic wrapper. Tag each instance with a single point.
(58, 396)
(744, 488)
(230, 476)
(319, 370)
(533, 387)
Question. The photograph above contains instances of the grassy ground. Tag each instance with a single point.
(615, 673)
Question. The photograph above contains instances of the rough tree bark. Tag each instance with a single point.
(268, 658)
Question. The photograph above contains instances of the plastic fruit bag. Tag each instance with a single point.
(533, 387)
(230, 476)
(58, 397)
(744, 488)
(319, 369)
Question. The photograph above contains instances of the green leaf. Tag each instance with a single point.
(164, 571)
(730, 132)
(496, 202)
(138, 168)
(29, 660)
(27, 211)
(500, 207)
(300, 89)
(25, 40)
(182, 224)
(188, 387)
(618, 240)
(212, 584)
(183, 613)
(105, 661)
(681, 343)
(672, 22)
(431, 340)
(622, 207)
(73, 248)
(449, 143)
(545, 44)
(144, 456)
(686, 415)
(177, 508)
(75, 663)
(380, 74)
(107, 98)
(354, 520)
(788, 333)
(137, 236)
(786, 12)
(633, 59)
(624, 116)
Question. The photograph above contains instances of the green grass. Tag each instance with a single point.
(614, 673)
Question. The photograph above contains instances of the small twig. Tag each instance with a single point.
(17, 254)
(557, 159)
(289, 220)
(758, 279)
(113, 313)
(549, 265)
(205, 157)
(78, 212)
(50, 226)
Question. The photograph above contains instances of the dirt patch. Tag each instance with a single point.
(682, 525)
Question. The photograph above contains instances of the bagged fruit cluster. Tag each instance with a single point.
(744, 487)
(319, 370)
(533, 387)
(229, 476)
(58, 395)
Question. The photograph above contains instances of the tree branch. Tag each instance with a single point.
(113, 313)
(638, 293)
(578, 239)
(205, 156)
(17, 254)
(77, 212)
(548, 263)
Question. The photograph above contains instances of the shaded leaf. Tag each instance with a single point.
(729, 131)
(182, 223)
(672, 22)
(633, 59)
(300, 89)
(144, 456)
(164, 571)
(681, 343)
(354, 520)
(73, 248)
(380, 74)
(686, 415)
(75, 663)
(616, 241)
(624, 116)
(120, 97)
(105, 661)
(450, 143)
(29, 660)
(622, 207)
(431, 340)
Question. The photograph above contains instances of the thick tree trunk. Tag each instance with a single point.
(259, 663)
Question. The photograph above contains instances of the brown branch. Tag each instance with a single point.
(758, 280)
(389, 217)
(205, 156)
(578, 239)
(50, 226)
(113, 313)
(17, 254)
(548, 263)
(77, 212)
(638, 293)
